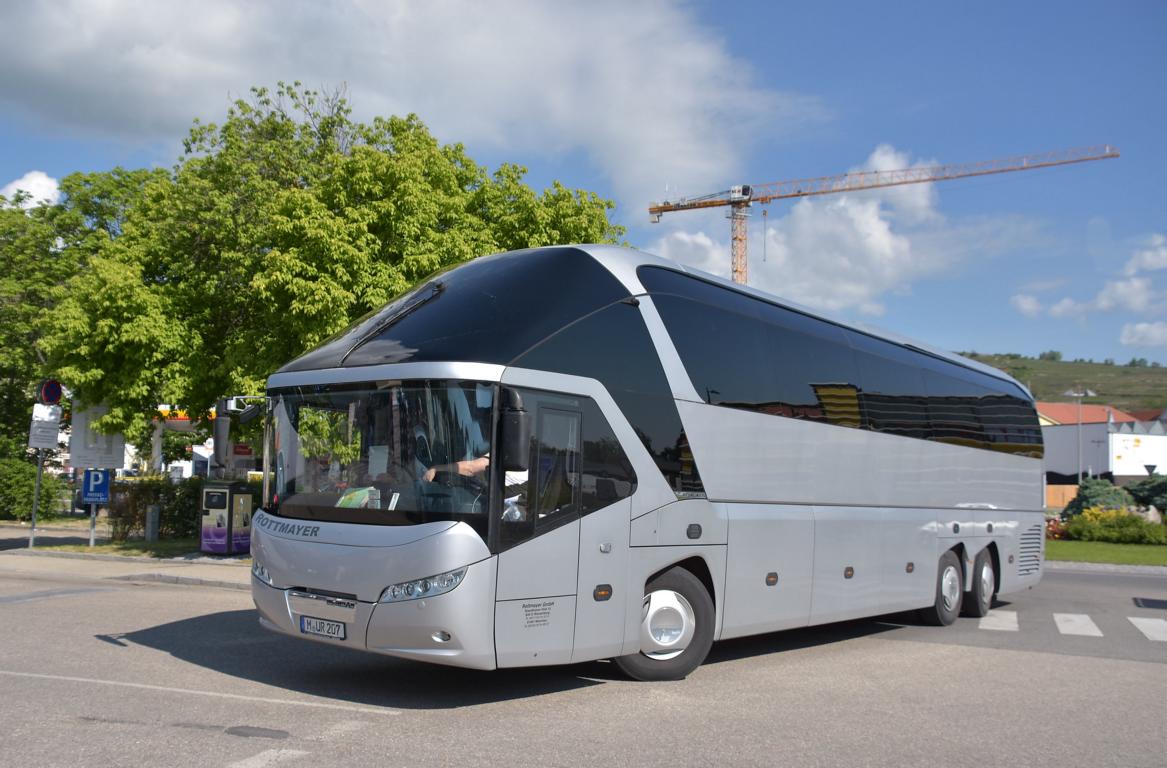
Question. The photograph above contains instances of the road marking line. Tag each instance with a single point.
(1076, 624)
(268, 757)
(194, 692)
(1154, 629)
(343, 728)
(1000, 621)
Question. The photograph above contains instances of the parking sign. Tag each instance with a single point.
(95, 488)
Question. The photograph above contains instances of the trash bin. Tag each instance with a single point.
(226, 518)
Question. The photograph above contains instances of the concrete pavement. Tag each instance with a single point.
(17, 560)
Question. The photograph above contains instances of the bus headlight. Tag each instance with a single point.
(259, 572)
(427, 587)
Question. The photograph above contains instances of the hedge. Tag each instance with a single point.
(1115, 526)
(178, 503)
(17, 483)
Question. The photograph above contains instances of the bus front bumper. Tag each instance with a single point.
(456, 628)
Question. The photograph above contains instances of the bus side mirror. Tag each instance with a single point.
(515, 433)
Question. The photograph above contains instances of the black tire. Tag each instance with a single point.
(979, 600)
(640, 666)
(945, 610)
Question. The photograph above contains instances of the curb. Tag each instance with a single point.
(1073, 565)
(126, 558)
(193, 581)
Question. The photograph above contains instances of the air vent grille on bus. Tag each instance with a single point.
(1029, 557)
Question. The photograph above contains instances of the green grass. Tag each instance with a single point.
(1104, 552)
(166, 548)
(1126, 387)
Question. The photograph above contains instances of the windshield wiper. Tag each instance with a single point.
(436, 290)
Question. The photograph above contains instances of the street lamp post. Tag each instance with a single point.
(1078, 393)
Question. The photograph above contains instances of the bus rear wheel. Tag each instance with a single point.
(984, 585)
(676, 628)
(949, 590)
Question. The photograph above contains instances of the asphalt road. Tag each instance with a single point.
(98, 672)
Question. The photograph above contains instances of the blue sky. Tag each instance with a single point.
(632, 100)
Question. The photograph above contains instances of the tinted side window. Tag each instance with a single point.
(555, 495)
(823, 372)
(606, 475)
(576, 466)
(613, 346)
(910, 393)
(745, 353)
(954, 409)
(892, 395)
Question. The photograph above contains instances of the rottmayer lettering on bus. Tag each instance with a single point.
(291, 529)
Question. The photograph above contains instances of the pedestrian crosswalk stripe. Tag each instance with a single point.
(1076, 624)
(1154, 629)
(1002, 621)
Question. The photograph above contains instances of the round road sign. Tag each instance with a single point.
(49, 392)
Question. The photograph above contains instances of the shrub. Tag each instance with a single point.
(1096, 492)
(1115, 526)
(1153, 490)
(178, 504)
(17, 483)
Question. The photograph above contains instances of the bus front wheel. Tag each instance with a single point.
(676, 628)
(949, 590)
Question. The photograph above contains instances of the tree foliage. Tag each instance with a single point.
(276, 229)
(41, 250)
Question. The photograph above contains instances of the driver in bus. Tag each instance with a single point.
(514, 495)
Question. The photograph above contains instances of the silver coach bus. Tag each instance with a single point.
(574, 453)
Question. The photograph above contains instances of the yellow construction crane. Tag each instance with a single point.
(740, 198)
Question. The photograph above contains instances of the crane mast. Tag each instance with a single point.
(740, 198)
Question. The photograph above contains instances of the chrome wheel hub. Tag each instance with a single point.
(667, 626)
(950, 587)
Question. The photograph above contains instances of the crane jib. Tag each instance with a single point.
(741, 197)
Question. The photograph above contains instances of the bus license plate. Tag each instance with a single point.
(313, 626)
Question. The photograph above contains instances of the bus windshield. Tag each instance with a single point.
(383, 453)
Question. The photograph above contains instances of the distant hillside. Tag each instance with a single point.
(1127, 387)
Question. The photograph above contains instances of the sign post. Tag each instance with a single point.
(95, 490)
(42, 435)
(36, 495)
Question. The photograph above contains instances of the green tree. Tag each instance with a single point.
(275, 230)
(41, 249)
(29, 279)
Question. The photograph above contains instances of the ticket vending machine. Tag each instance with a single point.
(226, 518)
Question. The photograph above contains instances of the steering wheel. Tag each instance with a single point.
(451, 478)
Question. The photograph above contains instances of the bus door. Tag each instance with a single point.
(539, 541)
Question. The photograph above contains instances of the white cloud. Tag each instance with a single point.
(849, 252)
(913, 202)
(1153, 257)
(1132, 295)
(639, 89)
(39, 185)
(1144, 334)
(1027, 305)
(1067, 307)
